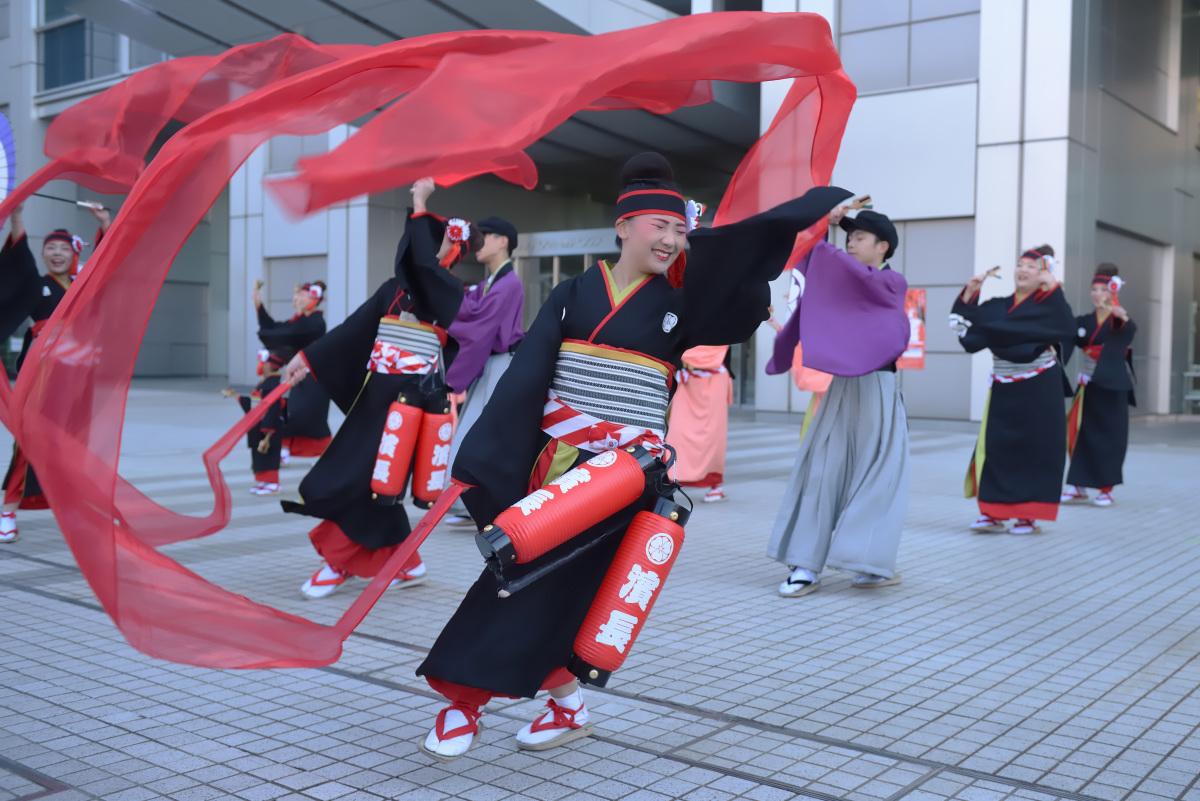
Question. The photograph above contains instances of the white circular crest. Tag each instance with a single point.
(669, 321)
(394, 420)
(444, 432)
(659, 548)
(1082, 331)
(603, 459)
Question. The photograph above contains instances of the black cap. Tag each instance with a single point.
(874, 223)
(499, 225)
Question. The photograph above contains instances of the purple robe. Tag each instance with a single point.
(850, 318)
(489, 321)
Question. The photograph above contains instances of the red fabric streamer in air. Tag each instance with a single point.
(455, 105)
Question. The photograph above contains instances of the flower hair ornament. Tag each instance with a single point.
(1114, 286)
(459, 232)
(693, 211)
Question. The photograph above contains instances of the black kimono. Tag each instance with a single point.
(307, 424)
(265, 465)
(25, 294)
(1098, 422)
(1016, 468)
(338, 487)
(514, 646)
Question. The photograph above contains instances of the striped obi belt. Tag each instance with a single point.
(405, 347)
(604, 398)
(1088, 368)
(1006, 372)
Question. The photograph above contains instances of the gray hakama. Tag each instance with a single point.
(845, 502)
(478, 394)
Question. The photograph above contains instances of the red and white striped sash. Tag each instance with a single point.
(590, 433)
(404, 348)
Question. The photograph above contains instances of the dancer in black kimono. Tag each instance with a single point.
(1098, 422)
(1017, 465)
(27, 294)
(593, 374)
(394, 343)
(263, 439)
(306, 433)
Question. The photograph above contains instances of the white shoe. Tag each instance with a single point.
(285, 456)
(458, 520)
(801, 582)
(410, 578)
(454, 732)
(323, 582)
(559, 726)
(1024, 526)
(1104, 499)
(871, 581)
(1073, 493)
(987, 523)
(715, 495)
(8, 528)
(264, 488)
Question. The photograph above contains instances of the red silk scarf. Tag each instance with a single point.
(430, 124)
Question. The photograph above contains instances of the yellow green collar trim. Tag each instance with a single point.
(619, 295)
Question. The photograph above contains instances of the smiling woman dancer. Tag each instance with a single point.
(596, 369)
(1017, 465)
(28, 294)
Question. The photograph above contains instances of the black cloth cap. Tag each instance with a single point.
(874, 223)
(499, 225)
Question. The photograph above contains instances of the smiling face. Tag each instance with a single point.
(651, 242)
(1101, 297)
(57, 256)
(1028, 274)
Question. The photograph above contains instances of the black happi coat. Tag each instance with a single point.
(25, 294)
(1024, 429)
(308, 403)
(510, 646)
(338, 488)
(1098, 422)
(272, 422)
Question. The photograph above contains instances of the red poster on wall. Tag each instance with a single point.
(914, 354)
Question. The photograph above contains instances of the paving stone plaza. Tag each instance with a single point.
(1060, 665)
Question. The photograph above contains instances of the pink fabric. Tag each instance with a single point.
(700, 417)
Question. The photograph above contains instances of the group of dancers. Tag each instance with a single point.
(563, 453)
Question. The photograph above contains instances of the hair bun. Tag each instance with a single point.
(1107, 268)
(647, 167)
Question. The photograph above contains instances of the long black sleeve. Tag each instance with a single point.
(339, 359)
(726, 285)
(20, 285)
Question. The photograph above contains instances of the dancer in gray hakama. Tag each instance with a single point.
(845, 503)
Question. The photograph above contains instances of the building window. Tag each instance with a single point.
(887, 44)
(285, 151)
(1136, 55)
(74, 50)
(4, 20)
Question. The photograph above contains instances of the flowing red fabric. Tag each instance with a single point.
(454, 106)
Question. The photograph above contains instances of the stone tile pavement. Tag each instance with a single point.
(1061, 665)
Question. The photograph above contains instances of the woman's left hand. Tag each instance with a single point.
(1047, 281)
(1120, 313)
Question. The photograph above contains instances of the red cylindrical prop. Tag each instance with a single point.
(433, 452)
(569, 505)
(632, 585)
(394, 456)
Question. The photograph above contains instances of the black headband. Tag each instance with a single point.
(650, 201)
